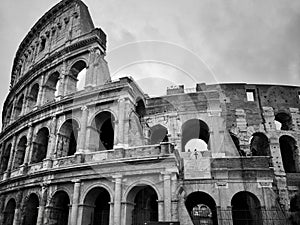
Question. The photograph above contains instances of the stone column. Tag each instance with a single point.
(24, 109)
(52, 138)
(42, 206)
(167, 196)
(160, 210)
(75, 201)
(117, 200)
(82, 132)
(121, 120)
(29, 144)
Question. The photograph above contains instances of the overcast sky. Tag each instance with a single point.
(165, 42)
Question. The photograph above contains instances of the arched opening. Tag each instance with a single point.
(202, 208)
(194, 129)
(51, 87)
(77, 79)
(19, 105)
(5, 158)
(259, 145)
(31, 210)
(59, 208)
(144, 208)
(40, 145)
(9, 212)
(97, 206)
(102, 131)
(158, 134)
(33, 95)
(140, 108)
(285, 120)
(8, 115)
(246, 209)
(288, 153)
(20, 152)
(67, 138)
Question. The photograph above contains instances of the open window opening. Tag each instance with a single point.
(246, 209)
(9, 212)
(195, 136)
(158, 134)
(236, 142)
(76, 81)
(250, 95)
(40, 145)
(201, 208)
(33, 96)
(259, 145)
(59, 210)
(288, 148)
(42, 43)
(20, 152)
(102, 131)
(145, 207)
(140, 109)
(283, 121)
(99, 214)
(51, 87)
(19, 106)
(31, 210)
(5, 158)
(67, 138)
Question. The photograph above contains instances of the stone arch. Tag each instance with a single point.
(246, 209)
(5, 158)
(77, 72)
(51, 87)
(33, 95)
(202, 208)
(102, 131)
(19, 106)
(20, 152)
(288, 146)
(259, 144)
(100, 185)
(9, 212)
(196, 132)
(236, 142)
(31, 209)
(59, 208)
(67, 138)
(8, 115)
(284, 118)
(40, 145)
(141, 204)
(159, 134)
(140, 108)
(96, 206)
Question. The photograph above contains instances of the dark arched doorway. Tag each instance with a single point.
(97, 207)
(246, 209)
(5, 158)
(143, 205)
(202, 208)
(9, 212)
(67, 138)
(102, 131)
(40, 145)
(59, 211)
(259, 145)
(31, 210)
(288, 151)
(20, 152)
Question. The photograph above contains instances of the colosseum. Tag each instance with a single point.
(78, 148)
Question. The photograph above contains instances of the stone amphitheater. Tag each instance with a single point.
(77, 148)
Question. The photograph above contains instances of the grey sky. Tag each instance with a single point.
(163, 42)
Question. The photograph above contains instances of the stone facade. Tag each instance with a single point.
(77, 148)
